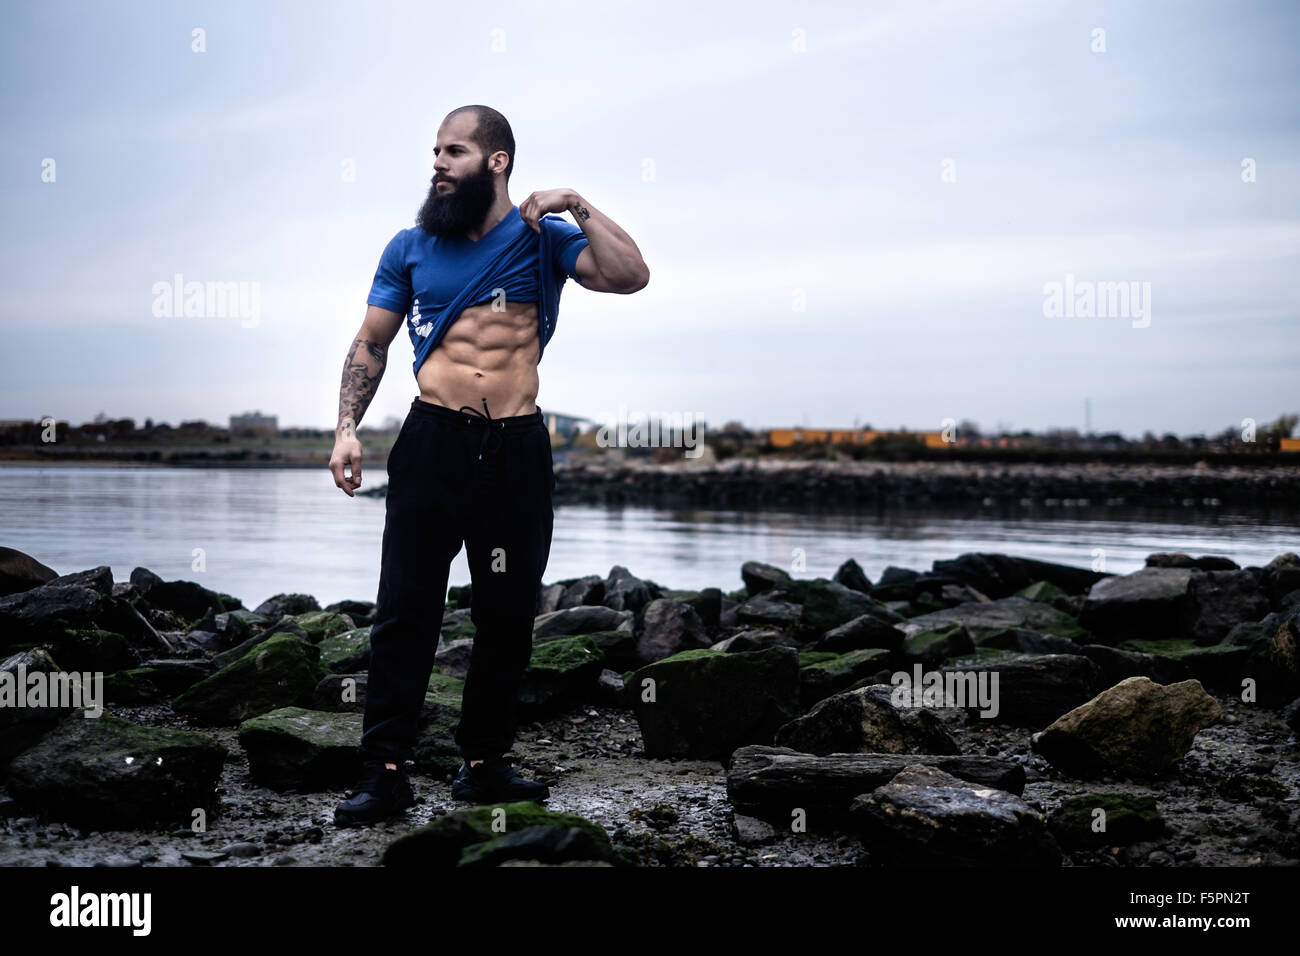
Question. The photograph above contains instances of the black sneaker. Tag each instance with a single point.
(494, 781)
(378, 795)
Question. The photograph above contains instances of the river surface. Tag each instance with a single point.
(254, 532)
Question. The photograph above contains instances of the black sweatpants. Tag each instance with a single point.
(453, 477)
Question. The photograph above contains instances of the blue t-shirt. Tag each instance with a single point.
(432, 279)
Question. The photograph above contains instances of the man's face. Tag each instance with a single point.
(462, 204)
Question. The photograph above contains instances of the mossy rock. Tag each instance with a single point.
(281, 671)
(441, 842)
(346, 652)
(322, 624)
(1128, 818)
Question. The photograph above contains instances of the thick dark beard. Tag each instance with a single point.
(462, 208)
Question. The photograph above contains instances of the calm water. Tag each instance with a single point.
(264, 531)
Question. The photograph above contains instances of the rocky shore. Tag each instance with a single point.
(991, 709)
(777, 483)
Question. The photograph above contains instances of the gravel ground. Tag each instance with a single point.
(1234, 800)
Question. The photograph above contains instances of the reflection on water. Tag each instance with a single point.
(257, 532)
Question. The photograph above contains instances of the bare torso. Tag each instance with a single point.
(486, 354)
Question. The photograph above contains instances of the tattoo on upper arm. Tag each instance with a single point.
(361, 378)
(580, 212)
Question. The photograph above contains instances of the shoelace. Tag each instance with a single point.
(487, 431)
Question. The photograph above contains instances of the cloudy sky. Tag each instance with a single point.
(851, 211)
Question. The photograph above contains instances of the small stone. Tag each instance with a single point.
(202, 857)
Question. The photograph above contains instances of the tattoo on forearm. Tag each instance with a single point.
(580, 212)
(362, 371)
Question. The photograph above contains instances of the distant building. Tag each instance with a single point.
(785, 437)
(253, 423)
(1289, 444)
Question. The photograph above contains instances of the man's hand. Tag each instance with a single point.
(347, 452)
(538, 204)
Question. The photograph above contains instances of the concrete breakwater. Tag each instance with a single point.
(921, 484)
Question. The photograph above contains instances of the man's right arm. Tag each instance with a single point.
(362, 370)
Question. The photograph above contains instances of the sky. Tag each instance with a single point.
(853, 214)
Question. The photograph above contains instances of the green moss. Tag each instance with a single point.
(842, 665)
(1041, 591)
(564, 654)
(691, 655)
(343, 645)
(814, 658)
(322, 624)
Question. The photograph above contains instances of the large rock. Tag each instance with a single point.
(1275, 664)
(1117, 663)
(186, 598)
(1150, 603)
(21, 572)
(444, 841)
(827, 605)
(156, 682)
(773, 783)
(624, 591)
(707, 603)
(1026, 641)
(436, 750)
(586, 619)
(54, 612)
(866, 720)
(1220, 600)
(285, 625)
(1001, 575)
(876, 628)
(546, 844)
(1095, 820)
(926, 817)
(452, 657)
(932, 647)
(843, 671)
(770, 609)
(755, 639)
(1219, 666)
(851, 575)
(341, 693)
(108, 773)
(300, 749)
(703, 704)
(22, 727)
(1030, 690)
(668, 627)
(589, 589)
(286, 605)
(319, 625)
(760, 577)
(983, 619)
(346, 652)
(1137, 728)
(560, 674)
(280, 672)
(896, 584)
(1281, 577)
(1181, 559)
